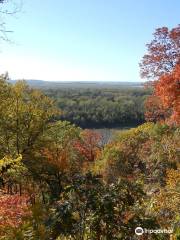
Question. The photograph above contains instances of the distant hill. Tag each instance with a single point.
(80, 84)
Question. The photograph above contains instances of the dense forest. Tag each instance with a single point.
(59, 182)
(98, 108)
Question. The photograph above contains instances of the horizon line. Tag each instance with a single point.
(80, 81)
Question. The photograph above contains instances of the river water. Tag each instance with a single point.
(108, 133)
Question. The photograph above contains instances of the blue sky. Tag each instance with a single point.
(83, 40)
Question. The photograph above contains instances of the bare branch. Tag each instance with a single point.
(7, 7)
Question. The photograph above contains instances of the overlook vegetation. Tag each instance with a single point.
(58, 182)
(98, 108)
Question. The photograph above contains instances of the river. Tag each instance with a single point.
(108, 133)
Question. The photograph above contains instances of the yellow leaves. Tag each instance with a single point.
(8, 161)
(146, 127)
(19, 88)
(24, 114)
(135, 132)
(173, 178)
(166, 203)
(76, 216)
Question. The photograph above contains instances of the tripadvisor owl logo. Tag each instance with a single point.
(139, 231)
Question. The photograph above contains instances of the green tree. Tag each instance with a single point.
(24, 115)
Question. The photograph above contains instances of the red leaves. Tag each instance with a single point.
(168, 90)
(12, 209)
(155, 110)
(57, 157)
(88, 146)
(164, 104)
(162, 64)
(163, 53)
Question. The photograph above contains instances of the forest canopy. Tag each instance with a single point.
(98, 108)
(59, 182)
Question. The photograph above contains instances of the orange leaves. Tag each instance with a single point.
(168, 90)
(168, 87)
(163, 53)
(128, 215)
(57, 157)
(58, 149)
(154, 109)
(162, 64)
(12, 209)
(88, 146)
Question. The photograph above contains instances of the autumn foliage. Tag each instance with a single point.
(163, 53)
(12, 210)
(89, 145)
(168, 90)
(65, 183)
(155, 111)
(162, 64)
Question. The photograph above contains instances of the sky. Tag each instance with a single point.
(82, 40)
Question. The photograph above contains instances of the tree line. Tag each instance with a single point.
(58, 182)
(98, 108)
